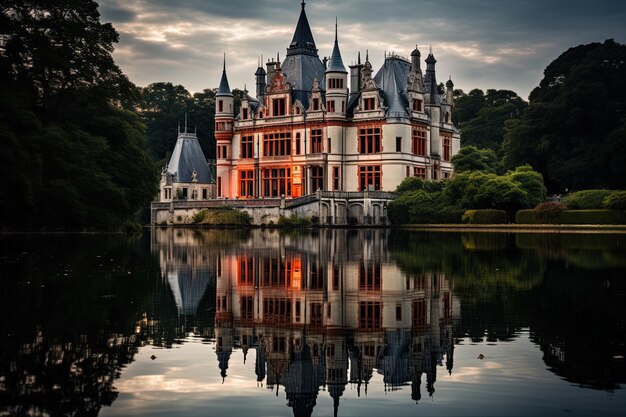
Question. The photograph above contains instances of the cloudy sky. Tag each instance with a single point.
(480, 43)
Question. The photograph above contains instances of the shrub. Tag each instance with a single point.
(615, 201)
(549, 212)
(593, 217)
(410, 184)
(294, 221)
(586, 199)
(486, 216)
(574, 217)
(222, 217)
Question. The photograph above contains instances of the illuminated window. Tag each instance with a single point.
(246, 183)
(369, 140)
(276, 182)
(370, 177)
(418, 142)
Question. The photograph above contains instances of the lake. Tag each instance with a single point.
(263, 322)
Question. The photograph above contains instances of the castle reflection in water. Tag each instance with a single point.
(320, 310)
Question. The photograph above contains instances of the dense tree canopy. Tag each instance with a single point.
(481, 117)
(470, 158)
(574, 130)
(73, 157)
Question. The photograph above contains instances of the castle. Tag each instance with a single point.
(307, 131)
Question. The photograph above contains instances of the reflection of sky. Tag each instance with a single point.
(510, 380)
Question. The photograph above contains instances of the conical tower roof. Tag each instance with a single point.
(335, 63)
(224, 88)
(302, 42)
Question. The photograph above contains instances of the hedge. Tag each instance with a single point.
(486, 216)
(586, 199)
(573, 217)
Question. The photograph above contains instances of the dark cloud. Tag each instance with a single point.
(481, 43)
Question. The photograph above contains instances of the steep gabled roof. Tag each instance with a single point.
(186, 158)
(392, 79)
(302, 42)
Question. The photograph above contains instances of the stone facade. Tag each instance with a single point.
(308, 130)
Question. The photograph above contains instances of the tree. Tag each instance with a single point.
(470, 158)
(76, 157)
(481, 117)
(574, 130)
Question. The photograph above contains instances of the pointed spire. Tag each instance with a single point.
(359, 59)
(224, 88)
(335, 62)
(302, 42)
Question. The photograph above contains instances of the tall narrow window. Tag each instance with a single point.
(220, 105)
(330, 106)
(336, 179)
(446, 139)
(298, 144)
(316, 104)
(316, 140)
(328, 143)
(246, 150)
(369, 140)
(219, 186)
(418, 143)
(244, 114)
(398, 144)
(317, 178)
(246, 183)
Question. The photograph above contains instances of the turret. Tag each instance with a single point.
(224, 118)
(261, 82)
(224, 97)
(434, 108)
(450, 92)
(336, 82)
(415, 60)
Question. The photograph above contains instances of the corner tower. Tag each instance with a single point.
(224, 118)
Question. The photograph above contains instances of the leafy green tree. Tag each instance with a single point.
(481, 117)
(470, 158)
(76, 157)
(574, 130)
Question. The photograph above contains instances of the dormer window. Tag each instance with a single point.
(278, 107)
(260, 115)
(244, 113)
(316, 104)
(417, 104)
(447, 117)
(369, 103)
(297, 110)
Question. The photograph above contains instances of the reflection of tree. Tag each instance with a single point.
(579, 324)
(69, 305)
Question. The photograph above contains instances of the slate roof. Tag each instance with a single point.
(302, 42)
(186, 157)
(392, 79)
(224, 88)
(335, 64)
(300, 70)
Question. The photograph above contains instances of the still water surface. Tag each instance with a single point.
(330, 322)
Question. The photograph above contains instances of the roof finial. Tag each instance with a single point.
(367, 55)
(303, 3)
(335, 28)
(224, 61)
(359, 58)
(430, 49)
